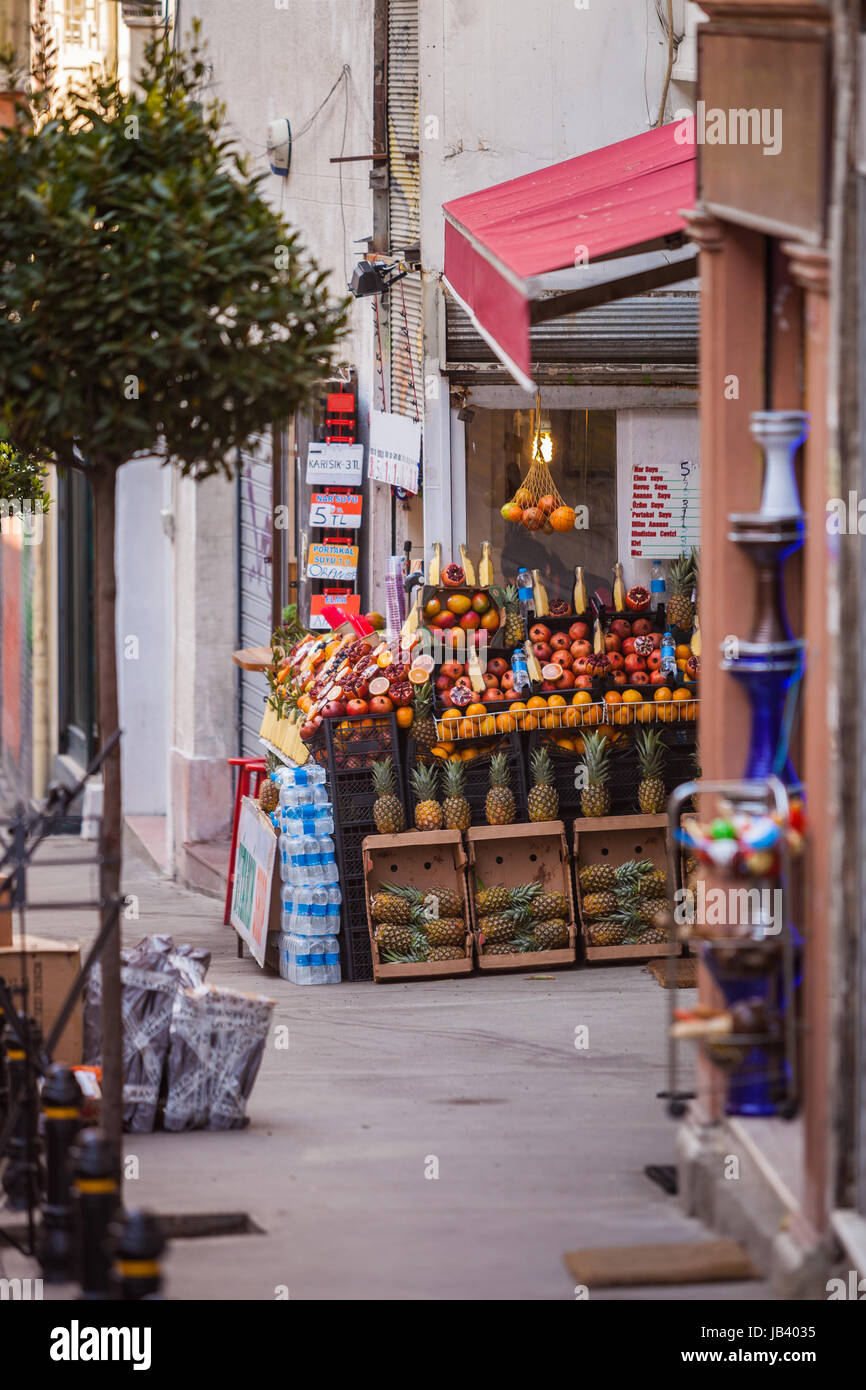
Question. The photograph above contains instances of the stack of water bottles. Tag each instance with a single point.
(309, 953)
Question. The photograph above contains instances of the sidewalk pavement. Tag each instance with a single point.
(540, 1147)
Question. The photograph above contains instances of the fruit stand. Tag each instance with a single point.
(487, 712)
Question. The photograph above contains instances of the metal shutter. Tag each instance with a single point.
(254, 586)
(404, 195)
(651, 330)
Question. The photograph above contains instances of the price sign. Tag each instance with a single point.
(332, 561)
(395, 450)
(347, 602)
(665, 509)
(336, 463)
(335, 509)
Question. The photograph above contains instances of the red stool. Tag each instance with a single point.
(251, 774)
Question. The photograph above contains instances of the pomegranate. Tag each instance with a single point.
(334, 709)
(356, 707)
(452, 669)
(615, 659)
(639, 678)
(628, 646)
(491, 682)
(638, 598)
(533, 518)
(462, 695)
(643, 645)
(598, 665)
(497, 666)
(560, 608)
(658, 678)
(620, 678)
(565, 659)
(560, 640)
(583, 682)
(581, 648)
(380, 704)
(654, 661)
(611, 642)
(491, 694)
(640, 627)
(577, 631)
(453, 576)
(621, 626)
(539, 633)
(633, 662)
(443, 683)
(693, 667)
(507, 681)
(566, 680)
(542, 651)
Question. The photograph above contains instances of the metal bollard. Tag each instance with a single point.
(61, 1111)
(96, 1207)
(138, 1246)
(23, 1177)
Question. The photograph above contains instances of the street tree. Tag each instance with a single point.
(151, 302)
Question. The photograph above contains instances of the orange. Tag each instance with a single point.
(556, 701)
(680, 693)
(447, 746)
(419, 676)
(451, 716)
(623, 715)
(666, 712)
(531, 721)
(465, 729)
(486, 727)
(631, 697)
(582, 697)
(536, 702)
(505, 723)
(661, 692)
(612, 697)
(517, 705)
(476, 708)
(645, 712)
(682, 662)
(592, 715)
(384, 659)
(305, 703)
(405, 715)
(683, 651)
(571, 719)
(691, 710)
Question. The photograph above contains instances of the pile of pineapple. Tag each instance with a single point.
(625, 906)
(405, 931)
(525, 918)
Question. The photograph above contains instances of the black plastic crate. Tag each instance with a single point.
(477, 772)
(358, 957)
(355, 743)
(623, 774)
(354, 931)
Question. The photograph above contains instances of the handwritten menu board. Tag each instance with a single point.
(340, 509)
(330, 560)
(665, 509)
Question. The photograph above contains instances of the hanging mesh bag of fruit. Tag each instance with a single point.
(538, 504)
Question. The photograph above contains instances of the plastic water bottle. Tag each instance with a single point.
(332, 961)
(657, 583)
(520, 672)
(312, 868)
(286, 858)
(524, 595)
(300, 972)
(327, 860)
(668, 654)
(316, 948)
(287, 909)
(318, 910)
(335, 902)
(302, 925)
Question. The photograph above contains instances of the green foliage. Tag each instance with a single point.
(151, 301)
(22, 478)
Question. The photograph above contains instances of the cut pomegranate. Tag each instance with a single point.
(453, 576)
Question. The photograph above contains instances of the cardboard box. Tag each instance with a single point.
(516, 854)
(426, 860)
(52, 967)
(5, 912)
(613, 840)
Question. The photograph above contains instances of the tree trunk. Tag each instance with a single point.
(103, 481)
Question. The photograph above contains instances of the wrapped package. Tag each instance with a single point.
(217, 1042)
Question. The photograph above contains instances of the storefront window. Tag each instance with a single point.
(583, 465)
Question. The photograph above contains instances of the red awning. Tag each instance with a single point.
(627, 197)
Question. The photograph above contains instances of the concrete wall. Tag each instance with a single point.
(144, 631)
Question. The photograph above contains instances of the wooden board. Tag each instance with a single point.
(685, 1262)
(515, 854)
(423, 859)
(253, 658)
(611, 840)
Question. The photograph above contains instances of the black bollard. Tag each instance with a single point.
(139, 1244)
(96, 1195)
(61, 1112)
(22, 1176)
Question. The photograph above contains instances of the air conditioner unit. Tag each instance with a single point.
(142, 14)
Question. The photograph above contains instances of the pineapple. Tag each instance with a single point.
(387, 808)
(595, 796)
(456, 812)
(500, 807)
(389, 907)
(391, 936)
(680, 610)
(514, 633)
(650, 909)
(446, 931)
(550, 934)
(448, 902)
(269, 796)
(655, 936)
(446, 953)
(650, 757)
(630, 876)
(599, 904)
(608, 933)
(423, 726)
(412, 952)
(425, 785)
(553, 904)
(596, 876)
(654, 884)
(500, 926)
(544, 798)
(499, 948)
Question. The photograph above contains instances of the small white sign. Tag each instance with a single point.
(332, 561)
(395, 450)
(339, 509)
(665, 509)
(336, 463)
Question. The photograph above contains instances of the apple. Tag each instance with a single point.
(640, 627)
(611, 642)
(542, 651)
(539, 633)
(577, 631)
(621, 627)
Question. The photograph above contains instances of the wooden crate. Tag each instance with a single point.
(425, 860)
(515, 854)
(611, 840)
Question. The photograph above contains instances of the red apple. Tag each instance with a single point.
(578, 631)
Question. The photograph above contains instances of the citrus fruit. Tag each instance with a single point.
(405, 715)
(380, 685)
(661, 693)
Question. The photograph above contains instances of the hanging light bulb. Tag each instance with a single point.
(545, 439)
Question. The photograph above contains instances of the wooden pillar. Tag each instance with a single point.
(732, 385)
(810, 269)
